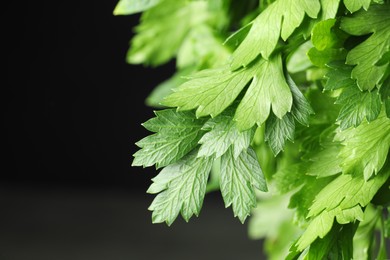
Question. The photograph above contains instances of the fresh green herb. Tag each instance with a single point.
(247, 73)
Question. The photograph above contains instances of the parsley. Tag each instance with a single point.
(239, 178)
(370, 144)
(176, 135)
(125, 7)
(366, 56)
(283, 106)
(181, 187)
(223, 134)
(279, 19)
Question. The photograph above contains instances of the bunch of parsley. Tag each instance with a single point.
(281, 105)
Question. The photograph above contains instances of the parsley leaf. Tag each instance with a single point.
(270, 214)
(239, 178)
(365, 147)
(279, 19)
(355, 5)
(267, 89)
(301, 109)
(341, 199)
(301, 200)
(385, 95)
(211, 91)
(298, 61)
(329, 8)
(125, 7)
(363, 239)
(222, 134)
(289, 177)
(338, 76)
(166, 87)
(357, 106)
(160, 22)
(277, 131)
(370, 51)
(271, 220)
(387, 225)
(322, 58)
(337, 244)
(202, 48)
(176, 134)
(326, 162)
(322, 35)
(181, 187)
(327, 40)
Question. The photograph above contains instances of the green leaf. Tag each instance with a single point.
(314, 139)
(210, 91)
(213, 183)
(202, 48)
(339, 76)
(387, 224)
(357, 106)
(355, 5)
(323, 58)
(384, 60)
(165, 88)
(364, 238)
(342, 199)
(370, 51)
(277, 131)
(161, 22)
(239, 178)
(325, 163)
(383, 244)
(337, 244)
(298, 60)
(176, 134)
(181, 187)
(279, 19)
(301, 200)
(385, 96)
(238, 36)
(329, 9)
(322, 35)
(365, 147)
(223, 134)
(125, 7)
(267, 89)
(346, 192)
(289, 177)
(344, 245)
(301, 109)
(271, 220)
(268, 217)
(318, 228)
(327, 40)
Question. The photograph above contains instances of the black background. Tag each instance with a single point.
(72, 110)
